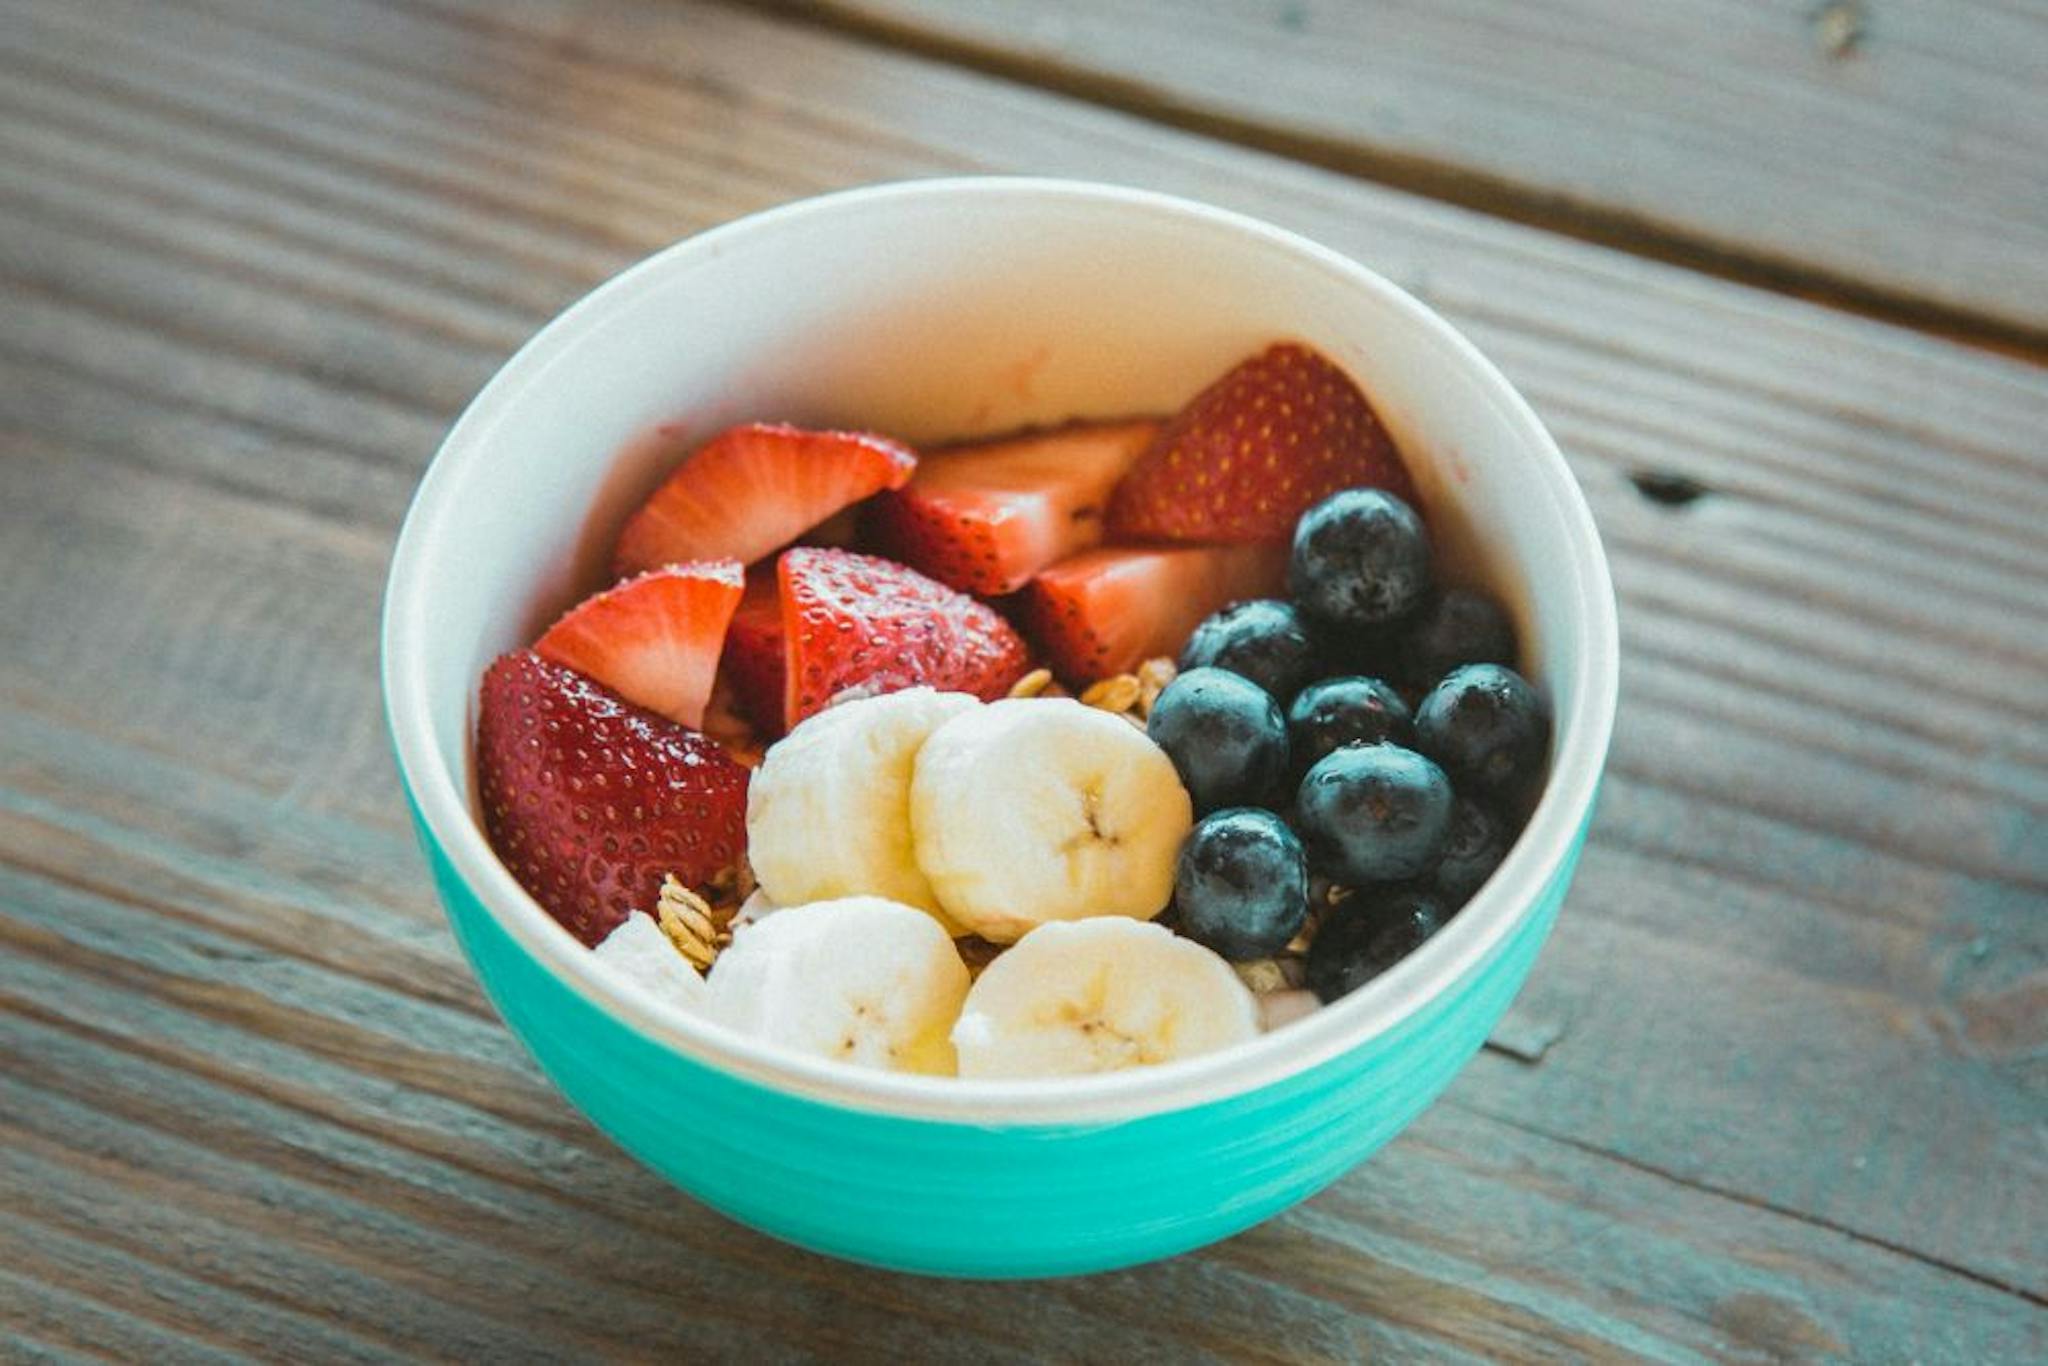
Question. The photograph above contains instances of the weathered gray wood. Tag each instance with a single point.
(48, 1323)
(1891, 154)
(1786, 1097)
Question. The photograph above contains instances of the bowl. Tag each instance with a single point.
(947, 308)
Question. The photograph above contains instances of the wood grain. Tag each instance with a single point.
(1894, 156)
(1777, 1089)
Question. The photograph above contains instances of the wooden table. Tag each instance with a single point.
(1776, 275)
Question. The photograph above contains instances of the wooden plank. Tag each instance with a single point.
(1894, 157)
(46, 1322)
(106, 1305)
(262, 255)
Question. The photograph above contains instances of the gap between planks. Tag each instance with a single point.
(1926, 1259)
(1604, 443)
(1495, 195)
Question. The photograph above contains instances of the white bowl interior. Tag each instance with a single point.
(944, 309)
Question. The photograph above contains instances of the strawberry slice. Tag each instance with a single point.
(985, 517)
(1254, 450)
(753, 661)
(590, 800)
(860, 622)
(1105, 611)
(751, 490)
(653, 640)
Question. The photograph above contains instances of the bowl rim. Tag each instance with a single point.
(1510, 897)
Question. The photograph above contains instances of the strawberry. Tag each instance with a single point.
(653, 640)
(590, 800)
(861, 622)
(752, 663)
(1105, 611)
(751, 490)
(985, 517)
(1256, 449)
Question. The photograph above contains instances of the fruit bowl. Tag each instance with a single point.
(948, 308)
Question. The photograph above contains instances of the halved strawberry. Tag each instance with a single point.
(751, 490)
(862, 622)
(1105, 611)
(591, 801)
(987, 516)
(1254, 450)
(753, 661)
(653, 640)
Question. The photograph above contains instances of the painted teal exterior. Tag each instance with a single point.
(962, 1200)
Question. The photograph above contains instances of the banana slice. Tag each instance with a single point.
(1037, 809)
(640, 955)
(1280, 1008)
(860, 980)
(1099, 996)
(757, 906)
(828, 811)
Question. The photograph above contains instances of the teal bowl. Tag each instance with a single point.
(949, 308)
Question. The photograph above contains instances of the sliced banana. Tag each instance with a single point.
(828, 811)
(860, 980)
(1031, 810)
(1281, 1008)
(1099, 996)
(757, 906)
(638, 954)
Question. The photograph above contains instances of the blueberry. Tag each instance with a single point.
(1344, 711)
(1360, 560)
(1264, 639)
(1241, 884)
(1368, 933)
(1488, 728)
(1225, 735)
(1458, 626)
(1374, 813)
(1477, 843)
